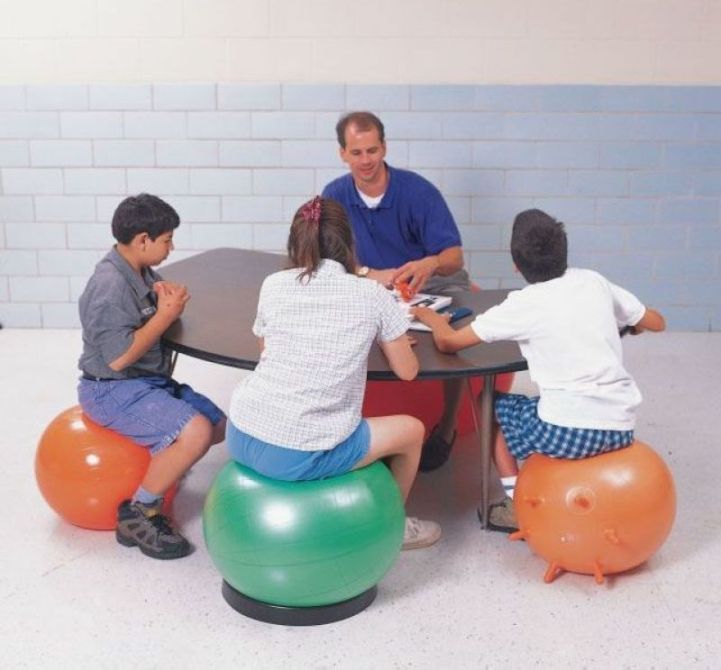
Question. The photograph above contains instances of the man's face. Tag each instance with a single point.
(364, 153)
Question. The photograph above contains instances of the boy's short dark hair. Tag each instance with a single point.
(143, 213)
(539, 246)
(364, 121)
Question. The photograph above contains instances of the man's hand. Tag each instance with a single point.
(171, 299)
(417, 273)
(384, 277)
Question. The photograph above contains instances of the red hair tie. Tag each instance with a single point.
(310, 212)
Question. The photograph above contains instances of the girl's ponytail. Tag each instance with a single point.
(320, 229)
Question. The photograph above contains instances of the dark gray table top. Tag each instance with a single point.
(224, 285)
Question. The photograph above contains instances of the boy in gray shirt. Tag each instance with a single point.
(126, 384)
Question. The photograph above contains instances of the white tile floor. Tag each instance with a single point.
(72, 598)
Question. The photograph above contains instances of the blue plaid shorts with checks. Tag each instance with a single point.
(526, 433)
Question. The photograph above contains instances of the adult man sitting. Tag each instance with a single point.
(404, 231)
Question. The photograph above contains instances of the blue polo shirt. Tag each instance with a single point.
(411, 221)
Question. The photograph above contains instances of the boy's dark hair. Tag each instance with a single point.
(363, 121)
(539, 247)
(320, 229)
(143, 213)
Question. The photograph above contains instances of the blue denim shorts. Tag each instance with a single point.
(151, 411)
(294, 465)
(526, 433)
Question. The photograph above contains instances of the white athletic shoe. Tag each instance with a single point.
(419, 534)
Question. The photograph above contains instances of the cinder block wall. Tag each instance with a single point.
(227, 110)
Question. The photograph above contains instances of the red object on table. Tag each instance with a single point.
(405, 290)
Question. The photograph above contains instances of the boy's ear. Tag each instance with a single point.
(140, 240)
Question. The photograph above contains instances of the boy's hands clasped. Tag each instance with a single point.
(171, 299)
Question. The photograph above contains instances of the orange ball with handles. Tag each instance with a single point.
(598, 515)
(84, 471)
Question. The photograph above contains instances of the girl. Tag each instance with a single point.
(298, 416)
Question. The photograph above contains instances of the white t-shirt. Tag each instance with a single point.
(567, 329)
(371, 202)
(307, 391)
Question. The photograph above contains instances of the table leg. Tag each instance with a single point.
(173, 361)
(484, 431)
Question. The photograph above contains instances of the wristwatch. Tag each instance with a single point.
(363, 271)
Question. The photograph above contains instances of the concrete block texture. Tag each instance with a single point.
(633, 171)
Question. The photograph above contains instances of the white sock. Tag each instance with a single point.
(509, 485)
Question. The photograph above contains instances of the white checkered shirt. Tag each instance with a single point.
(307, 390)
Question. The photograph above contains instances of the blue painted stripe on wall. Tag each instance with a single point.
(633, 171)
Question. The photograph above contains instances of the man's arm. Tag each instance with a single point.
(383, 277)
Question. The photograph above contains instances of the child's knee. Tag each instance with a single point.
(415, 430)
(197, 435)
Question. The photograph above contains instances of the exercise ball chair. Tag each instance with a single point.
(302, 553)
(598, 516)
(84, 471)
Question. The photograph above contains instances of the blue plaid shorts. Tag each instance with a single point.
(526, 433)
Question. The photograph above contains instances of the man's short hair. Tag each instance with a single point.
(363, 121)
(143, 213)
(539, 246)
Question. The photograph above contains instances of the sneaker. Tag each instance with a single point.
(145, 527)
(419, 534)
(502, 517)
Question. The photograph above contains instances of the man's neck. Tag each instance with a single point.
(377, 186)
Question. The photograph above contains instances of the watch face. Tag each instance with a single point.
(363, 271)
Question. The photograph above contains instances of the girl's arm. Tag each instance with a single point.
(400, 357)
(446, 339)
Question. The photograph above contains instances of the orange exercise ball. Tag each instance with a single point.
(84, 471)
(424, 399)
(598, 515)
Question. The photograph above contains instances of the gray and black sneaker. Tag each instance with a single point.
(145, 527)
(502, 517)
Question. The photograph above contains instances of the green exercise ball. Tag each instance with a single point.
(303, 544)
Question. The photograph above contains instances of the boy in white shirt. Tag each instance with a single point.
(566, 323)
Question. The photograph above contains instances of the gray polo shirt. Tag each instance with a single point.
(115, 303)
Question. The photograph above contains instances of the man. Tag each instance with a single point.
(404, 232)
